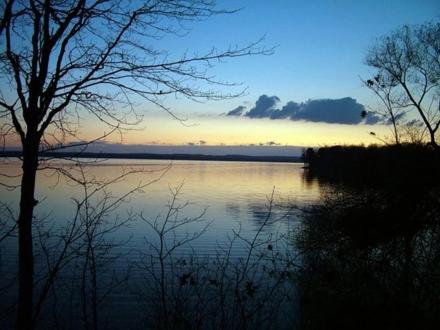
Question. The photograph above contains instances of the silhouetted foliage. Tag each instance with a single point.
(408, 75)
(370, 258)
(308, 155)
(219, 291)
(405, 164)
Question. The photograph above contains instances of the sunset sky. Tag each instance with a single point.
(320, 48)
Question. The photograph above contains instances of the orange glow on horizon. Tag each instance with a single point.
(223, 131)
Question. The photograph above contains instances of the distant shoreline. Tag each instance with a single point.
(106, 155)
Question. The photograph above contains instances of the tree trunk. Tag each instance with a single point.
(395, 131)
(433, 141)
(25, 244)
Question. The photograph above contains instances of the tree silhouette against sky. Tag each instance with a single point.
(63, 59)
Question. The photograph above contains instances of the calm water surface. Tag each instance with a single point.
(341, 263)
(234, 196)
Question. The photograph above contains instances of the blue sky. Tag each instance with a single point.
(320, 51)
(320, 46)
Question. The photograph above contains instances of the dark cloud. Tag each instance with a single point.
(237, 111)
(339, 111)
(414, 123)
(397, 118)
(263, 107)
(335, 111)
(372, 119)
(288, 111)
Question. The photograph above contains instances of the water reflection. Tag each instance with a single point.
(233, 209)
(236, 195)
(371, 257)
(366, 255)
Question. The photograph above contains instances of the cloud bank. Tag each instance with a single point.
(264, 106)
(334, 111)
(237, 111)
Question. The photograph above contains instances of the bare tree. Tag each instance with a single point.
(391, 111)
(408, 73)
(85, 239)
(220, 291)
(7, 221)
(162, 253)
(65, 58)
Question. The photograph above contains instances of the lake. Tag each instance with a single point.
(225, 245)
(232, 199)
(232, 193)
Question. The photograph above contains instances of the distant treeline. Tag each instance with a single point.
(238, 158)
(376, 164)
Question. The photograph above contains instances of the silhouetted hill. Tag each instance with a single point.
(238, 158)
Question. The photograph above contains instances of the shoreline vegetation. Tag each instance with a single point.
(106, 155)
(379, 165)
(371, 244)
